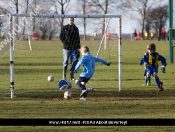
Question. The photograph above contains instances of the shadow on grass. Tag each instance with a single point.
(125, 94)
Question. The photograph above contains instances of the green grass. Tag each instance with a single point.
(37, 98)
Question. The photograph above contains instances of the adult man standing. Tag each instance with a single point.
(70, 38)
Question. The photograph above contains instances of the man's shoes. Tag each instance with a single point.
(72, 77)
(83, 98)
(90, 89)
(161, 87)
(83, 93)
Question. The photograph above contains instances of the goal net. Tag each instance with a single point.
(34, 51)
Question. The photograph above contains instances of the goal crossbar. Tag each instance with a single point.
(11, 23)
(68, 16)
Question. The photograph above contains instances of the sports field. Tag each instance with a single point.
(35, 97)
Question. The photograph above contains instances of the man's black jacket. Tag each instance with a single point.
(70, 37)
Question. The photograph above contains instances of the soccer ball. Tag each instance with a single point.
(50, 78)
(67, 95)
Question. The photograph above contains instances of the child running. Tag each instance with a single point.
(150, 60)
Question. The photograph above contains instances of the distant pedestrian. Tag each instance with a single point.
(152, 35)
(146, 35)
(135, 35)
(108, 35)
(159, 35)
(138, 35)
(167, 35)
(95, 35)
(163, 34)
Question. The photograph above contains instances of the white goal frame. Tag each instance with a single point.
(11, 23)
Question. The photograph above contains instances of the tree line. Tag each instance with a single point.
(149, 15)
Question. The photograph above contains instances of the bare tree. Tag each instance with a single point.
(16, 19)
(158, 17)
(43, 28)
(47, 30)
(63, 6)
(26, 10)
(34, 19)
(84, 8)
(3, 10)
(104, 7)
(51, 34)
(138, 9)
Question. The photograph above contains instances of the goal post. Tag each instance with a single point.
(171, 31)
(11, 23)
(11, 33)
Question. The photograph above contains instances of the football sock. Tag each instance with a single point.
(146, 80)
(157, 82)
(80, 86)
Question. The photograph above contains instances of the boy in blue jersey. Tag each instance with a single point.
(88, 61)
(151, 59)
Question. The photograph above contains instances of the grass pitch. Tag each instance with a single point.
(37, 98)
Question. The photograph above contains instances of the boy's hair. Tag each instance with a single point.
(85, 48)
(151, 46)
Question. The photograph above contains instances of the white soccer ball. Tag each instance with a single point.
(67, 95)
(50, 78)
